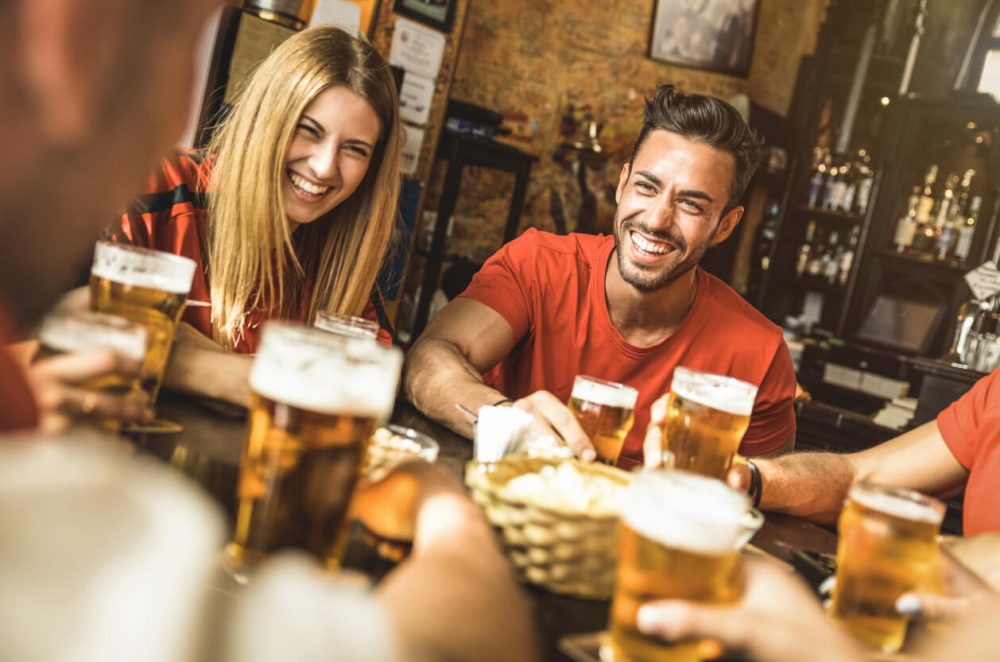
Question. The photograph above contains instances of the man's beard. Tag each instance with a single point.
(646, 280)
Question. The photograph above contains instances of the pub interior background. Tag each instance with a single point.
(878, 195)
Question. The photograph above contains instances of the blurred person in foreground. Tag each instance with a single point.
(93, 93)
(960, 450)
(627, 308)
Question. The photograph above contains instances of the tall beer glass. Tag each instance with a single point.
(147, 287)
(605, 412)
(707, 416)
(678, 539)
(347, 325)
(316, 400)
(81, 331)
(887, 546)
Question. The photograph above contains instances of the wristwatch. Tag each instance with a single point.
(755, 484)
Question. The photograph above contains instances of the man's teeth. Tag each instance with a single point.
(647, 246)
(307, 186)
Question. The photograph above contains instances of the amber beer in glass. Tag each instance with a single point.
(678, 539)
(605, 412)
(887, 547)
(81, 331)
(147, 287)
(707, 416)
(316, 400)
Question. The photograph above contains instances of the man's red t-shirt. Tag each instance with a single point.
(970, 427)
(172, 217)
(550, 289)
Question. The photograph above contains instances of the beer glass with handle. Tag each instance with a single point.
(887, 547)
(65, 332)
(678, 539)
(316, 399)
(707, 416)
(149, 288)
(605, 412)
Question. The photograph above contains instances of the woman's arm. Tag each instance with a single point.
(200, 366)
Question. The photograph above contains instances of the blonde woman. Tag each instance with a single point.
(289, 211)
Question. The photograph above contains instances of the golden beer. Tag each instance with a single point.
(147, 287)
(887, 547)
(678, 539)
(82, 331)
(347, 325)
(317, 399)
(707, 416)
(605, 412)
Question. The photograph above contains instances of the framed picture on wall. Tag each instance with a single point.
(435, 13)
(717, 35)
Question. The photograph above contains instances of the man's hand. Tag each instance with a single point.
(62, 401)
(777, 620)
(552, 416)
(652, 444)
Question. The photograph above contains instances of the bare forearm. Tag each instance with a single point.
(209, 372)
(809, 485)
(438, 377)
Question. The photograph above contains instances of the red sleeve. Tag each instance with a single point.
(505, 282)
(773, 420)
(384, 336)
(959, 424)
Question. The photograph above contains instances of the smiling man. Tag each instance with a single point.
(627, 308)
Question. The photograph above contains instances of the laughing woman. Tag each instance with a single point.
(289, 211)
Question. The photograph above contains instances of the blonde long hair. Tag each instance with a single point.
(254, 260)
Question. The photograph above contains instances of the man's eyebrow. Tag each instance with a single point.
(653, 179)
(700, 195)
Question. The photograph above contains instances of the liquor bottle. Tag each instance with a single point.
(945, 232)
(964, 244)
(817, 180)
(847, 205)
(815, 265)
(926, 203)
(906, 227)
(832, 257)
(836, 189)
(864, 189)
(847, 260)
(802, 262)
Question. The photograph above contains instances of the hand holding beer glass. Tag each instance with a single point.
(108, 396)
(605, 412)
(887, 547)
(149, 288)
(678, 539)
(707, 416)
(316, 399)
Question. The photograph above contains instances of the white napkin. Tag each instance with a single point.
(497, 430)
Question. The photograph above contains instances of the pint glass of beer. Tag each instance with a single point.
(347, 325)
(678, 539)
(147, 287)
(316, 400)
(604, 411)
(707, 416)
(81, 331)
(887, 546)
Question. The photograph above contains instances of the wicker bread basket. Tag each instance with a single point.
(566, 551)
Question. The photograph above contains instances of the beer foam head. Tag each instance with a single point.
(903, 504)
(726, 394)
(142, 267)
(80, 331)
(321, 372)
(686, 511)
(604, 393)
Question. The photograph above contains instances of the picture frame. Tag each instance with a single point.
(438, 14)
(715, 35)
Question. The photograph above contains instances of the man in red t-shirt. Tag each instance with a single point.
(627, 308)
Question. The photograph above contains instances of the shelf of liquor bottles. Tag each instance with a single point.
(920, 260)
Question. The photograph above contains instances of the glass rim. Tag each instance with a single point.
(356, 347)
(713, 377)
(866, 487)
(166, 256)
(329, 321)
(604, 382)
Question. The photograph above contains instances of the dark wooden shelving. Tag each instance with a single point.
(924, 260)
(829, 214)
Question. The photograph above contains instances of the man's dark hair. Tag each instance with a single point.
(709, 120)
